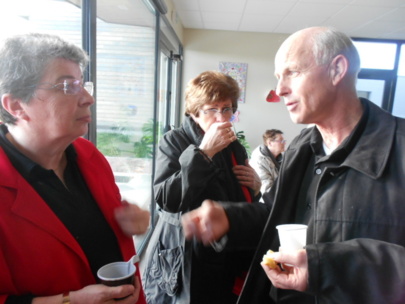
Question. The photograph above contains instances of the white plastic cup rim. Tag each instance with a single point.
(116, 271)
(291, 227)
(292, 236)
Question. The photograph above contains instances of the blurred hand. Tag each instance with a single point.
(217, 138)
(207, 223)
(132, 219)
(248, 177)
(292, 277)
(97, 294)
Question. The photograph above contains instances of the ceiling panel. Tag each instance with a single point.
(357, 18)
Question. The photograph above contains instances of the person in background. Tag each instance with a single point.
(266, 158)
(61, 216)
(200, 159)
(344, 177)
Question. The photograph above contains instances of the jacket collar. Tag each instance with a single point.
(30, 206)
(369, 154)
(37, 213)
(193, 131)
(266, 152)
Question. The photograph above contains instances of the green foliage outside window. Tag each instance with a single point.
(117, 142)
(144, 147)
(110, 143)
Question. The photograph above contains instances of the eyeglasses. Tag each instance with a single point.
(280, 141)
(71, 86)
(225, 111)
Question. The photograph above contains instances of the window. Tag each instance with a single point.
(125, 98)
(372, 89)
(369, 54)
(399, 100)
(170, 65)
(25, 16)
(379, 78)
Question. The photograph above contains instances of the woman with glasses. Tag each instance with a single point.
(202, 159)
(61, 216)
(266, 158)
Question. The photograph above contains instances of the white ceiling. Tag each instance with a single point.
(383, 19)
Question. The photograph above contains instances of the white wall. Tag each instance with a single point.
(204, 49)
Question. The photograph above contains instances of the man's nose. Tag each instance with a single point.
(281, 88)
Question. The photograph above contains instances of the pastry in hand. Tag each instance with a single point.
(269, 261)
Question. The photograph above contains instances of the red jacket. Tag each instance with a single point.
(38, 255)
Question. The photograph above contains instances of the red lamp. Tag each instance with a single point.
(272, 97)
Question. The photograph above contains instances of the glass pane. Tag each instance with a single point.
(125, 101)
(375, 55)
(399, 100)
(371, 89)
(401, 68)
(174, 105)
(24, 16)
(162, 99)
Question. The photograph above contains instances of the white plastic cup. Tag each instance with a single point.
(118, 273)
(292, 236)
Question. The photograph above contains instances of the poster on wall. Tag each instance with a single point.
(237, 71)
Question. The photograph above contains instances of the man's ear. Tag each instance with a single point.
(13, 106)
(338, 68)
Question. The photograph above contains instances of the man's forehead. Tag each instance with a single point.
(293, 56)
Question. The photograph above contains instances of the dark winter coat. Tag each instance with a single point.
(357, 254)
(181, 271)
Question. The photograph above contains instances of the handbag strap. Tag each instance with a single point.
(171, 218)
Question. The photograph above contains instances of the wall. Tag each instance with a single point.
(204, 49)
(174, 19)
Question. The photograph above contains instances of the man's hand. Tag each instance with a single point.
(207, 223)
(132, 219)
(293, 277)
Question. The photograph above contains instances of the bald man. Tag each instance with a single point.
(344, 178)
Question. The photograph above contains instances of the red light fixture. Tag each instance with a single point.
(273, 97)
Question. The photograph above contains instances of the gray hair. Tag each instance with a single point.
(23, 60)
(329, 43)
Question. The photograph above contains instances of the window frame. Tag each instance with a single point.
(389, 76)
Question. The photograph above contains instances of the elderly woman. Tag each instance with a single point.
(61, 216)
(201, 159)
(266, 158)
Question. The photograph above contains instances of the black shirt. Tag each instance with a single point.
(73, 204)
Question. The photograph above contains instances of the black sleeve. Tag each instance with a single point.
(375, 267)
(246, 222)
(25, 299)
